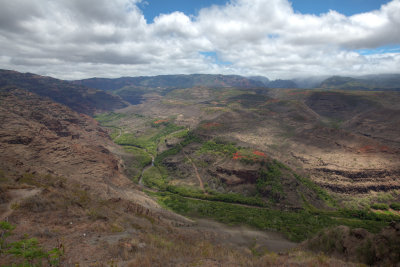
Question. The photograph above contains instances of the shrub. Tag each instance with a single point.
(153, 178)
(395, 206)
(269, 182)
(218, 147)
(216, 196)
(27, 249)
(380, 206)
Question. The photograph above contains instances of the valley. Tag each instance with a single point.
(322, 153)
(223, 171)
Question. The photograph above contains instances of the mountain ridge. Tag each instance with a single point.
(79, 98)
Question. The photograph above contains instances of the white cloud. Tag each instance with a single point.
(75, 39)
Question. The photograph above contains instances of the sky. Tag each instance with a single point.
(76, 39)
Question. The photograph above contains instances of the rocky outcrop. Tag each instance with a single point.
(361, 181)
(358, 245)
(361, 175)
(40, 136)
(235, 176)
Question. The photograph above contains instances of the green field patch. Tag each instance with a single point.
(129, 139)
(179, 134)
(141, 157)
(218, 147)
(106, 118)
(153, 178)
(216, 196)
(164, 129)
(296, 226)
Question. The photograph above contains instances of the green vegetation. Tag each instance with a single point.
(129, 139)
(27, 250)
(322, 194)
(216, 196)
(153, 178)
(180, 134)
(115, 132)
(366, 201)
(363, 215)
(380, 206)
(269, 182)
(148, 142)
(189, 138)
(395, 206)
(296, 226)
(234, 208)
(167, 129)
(170, 152)
(6, 229)
(218, 147)
(142, 158)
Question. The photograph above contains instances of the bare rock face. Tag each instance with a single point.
(40, 136)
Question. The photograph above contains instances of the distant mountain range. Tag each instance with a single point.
(79, 98)
(88, 96)
(368, 82)
(172, 81)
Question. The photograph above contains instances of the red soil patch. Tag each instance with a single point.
(384, 149)
(237, 156)
(367, 149)
(160, 121)
(374, 149)
(259, 153)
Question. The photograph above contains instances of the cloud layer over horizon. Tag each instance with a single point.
(74, 39)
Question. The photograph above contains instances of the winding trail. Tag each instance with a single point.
(16, 196)
(120, 133)
(197, 172)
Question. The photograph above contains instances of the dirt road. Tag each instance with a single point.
(196, 172)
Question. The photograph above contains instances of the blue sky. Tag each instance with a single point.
(346, 7)
(152, 8)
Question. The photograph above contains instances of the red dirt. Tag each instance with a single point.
(374, 149)
(384, 149)
(367, 149)
(210, 125)
(237, 156)
(259, 153)
(160, 121)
